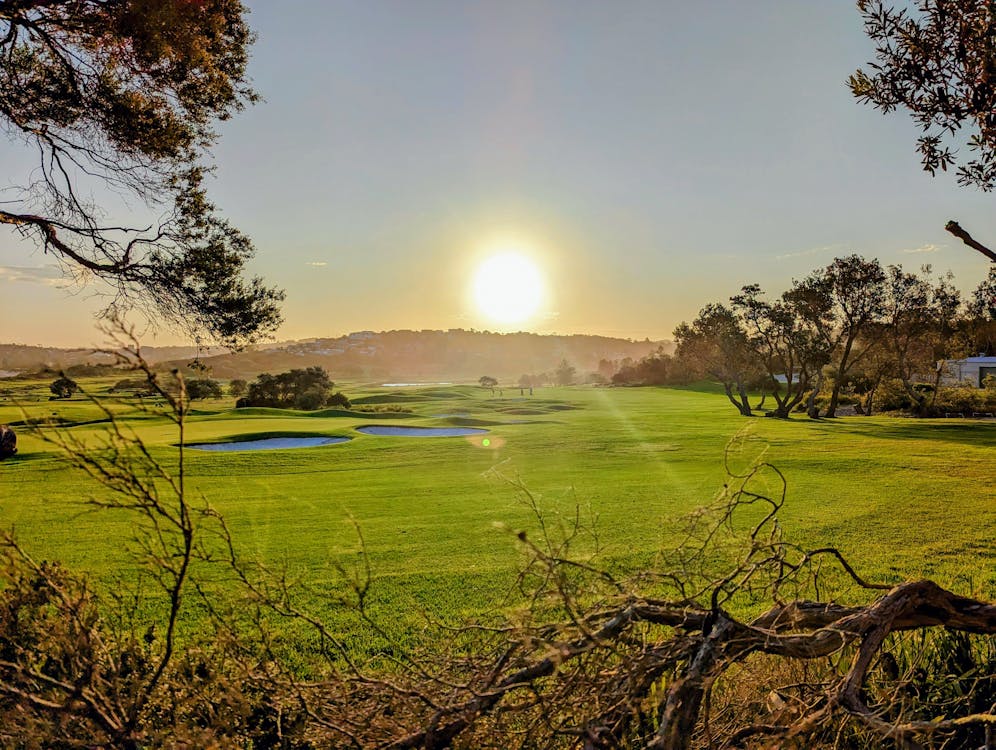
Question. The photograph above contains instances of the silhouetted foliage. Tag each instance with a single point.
(936, 59)
(8, 441)
(715, 344)
(124, 95)
(659, 368)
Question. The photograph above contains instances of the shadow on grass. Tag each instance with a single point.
(976, 433)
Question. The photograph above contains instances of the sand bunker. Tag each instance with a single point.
(419, 431)
(270, 444)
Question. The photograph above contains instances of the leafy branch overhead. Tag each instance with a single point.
(937, 59)
(122, 97)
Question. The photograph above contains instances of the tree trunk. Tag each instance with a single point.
(811, 409)
(742, 406)
(764, 397)
(918, 399)
(744, 400)
(869, 399)
(957, 231)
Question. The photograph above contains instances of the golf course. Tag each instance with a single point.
(901, 498)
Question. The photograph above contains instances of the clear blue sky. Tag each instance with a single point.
(655, 155)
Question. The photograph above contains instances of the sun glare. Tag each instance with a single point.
(508, 288)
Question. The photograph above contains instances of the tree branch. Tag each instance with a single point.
(955, 229)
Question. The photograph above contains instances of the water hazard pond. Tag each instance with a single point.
(269, 444)
(420, 431)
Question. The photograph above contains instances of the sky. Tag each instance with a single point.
(648, 157)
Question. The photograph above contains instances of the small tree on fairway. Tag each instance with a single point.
(785, 338)
(715, 345)
(486, 381)
(237, 387)
(63, 387)
(202, 388)
(565, 373)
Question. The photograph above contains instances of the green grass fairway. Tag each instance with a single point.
(903, 498)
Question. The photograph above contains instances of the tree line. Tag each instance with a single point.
(843, 331)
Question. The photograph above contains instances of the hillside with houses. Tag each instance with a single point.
(454, 354)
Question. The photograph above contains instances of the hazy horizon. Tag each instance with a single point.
(336, 336)
(647, 158)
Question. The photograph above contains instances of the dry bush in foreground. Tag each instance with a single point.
(724, 642)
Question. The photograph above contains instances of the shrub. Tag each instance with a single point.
(137, 386)
(311, 399)
(307, 389)
(965, 399)
(891, 396)
(338, 399)
(201, 388)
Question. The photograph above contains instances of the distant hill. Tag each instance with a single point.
(15, 358)
(420, 356)
(400, 356)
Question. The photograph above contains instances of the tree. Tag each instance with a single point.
(122, 97)
(785, 339)
(237, 387)
(306, 389)
(715, 344)
(856, 292)
(201, 388)
(137, 386)
(981, 316)
(918, 317)
(63, 387)
(486, 381)
(564, 374)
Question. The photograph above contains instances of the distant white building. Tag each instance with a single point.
(970, 371)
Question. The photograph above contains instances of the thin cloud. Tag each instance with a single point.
(316, 263)
(47, 275)
(924, 249)
(812, 251)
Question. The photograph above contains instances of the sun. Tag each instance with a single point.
(508, 288)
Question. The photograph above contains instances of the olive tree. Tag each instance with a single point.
(845, 299)
(715, 344)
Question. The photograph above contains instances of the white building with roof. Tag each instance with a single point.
(969, 371)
